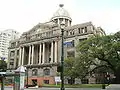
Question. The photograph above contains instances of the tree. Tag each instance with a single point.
(82, 65)
(3, 66)
(69, 69)
(101, 52)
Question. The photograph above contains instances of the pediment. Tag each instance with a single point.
(41, 28)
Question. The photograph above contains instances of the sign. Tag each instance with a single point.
(57, 79)
(68, 43)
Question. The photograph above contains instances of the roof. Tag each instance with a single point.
(61, 12)
(79, 25)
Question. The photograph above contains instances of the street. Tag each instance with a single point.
(57, 89)
(111, 87)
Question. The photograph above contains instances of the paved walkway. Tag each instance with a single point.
(57, 89)
(111, 87)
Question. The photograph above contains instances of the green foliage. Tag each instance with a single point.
(99, 52)
(3, 66)
(82, 66)
(69, 70)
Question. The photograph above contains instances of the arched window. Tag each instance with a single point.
(34, 72)
(46, 71)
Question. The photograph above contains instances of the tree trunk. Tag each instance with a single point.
(117, 79)
(117, 75)
(71, 81)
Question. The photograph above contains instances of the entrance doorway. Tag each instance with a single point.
(34, 82)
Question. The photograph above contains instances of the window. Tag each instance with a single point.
(11, 63)
(17, 52)
(34, 81)
(12, 53)
(61, 19)
(46, 81)
(4, 33)
(79, 30)
(82, 30)
(56, 21)
(49, 60)
(13, 44)
(72, 32)
(34, 72)
(46, 71)
(66, 21)
(85, 29)
(71, 54)
(82, 39)
(66, 33)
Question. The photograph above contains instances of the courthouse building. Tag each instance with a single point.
(39, 49)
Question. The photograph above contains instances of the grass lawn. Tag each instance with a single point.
(76, 86)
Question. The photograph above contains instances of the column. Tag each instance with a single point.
(40, 53)
(64, 20)
(56, 51)
(43, 59)
(32, 54)
(58, 21)
(23, 55)
(15, 59)
(52, 52)
(20, 56)
(68, 22)
(29, 54)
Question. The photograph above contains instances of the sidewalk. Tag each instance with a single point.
(113, 87)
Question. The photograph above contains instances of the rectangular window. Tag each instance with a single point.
(79, 30)
(46, 81)
(11, 63)
(17, 52)
(66, 21)
(12, 53)
(71, 54)
(66, 33)
(82, 30)
(82, 39)
(13, 44)
(47, 72)
(85, 29)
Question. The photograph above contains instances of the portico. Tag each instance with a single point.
(44, 52)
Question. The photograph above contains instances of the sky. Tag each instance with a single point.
(22, 15)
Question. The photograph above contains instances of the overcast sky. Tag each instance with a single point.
(22, 15)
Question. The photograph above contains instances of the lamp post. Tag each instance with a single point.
(62, 26)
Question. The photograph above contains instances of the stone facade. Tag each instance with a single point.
(39, 49)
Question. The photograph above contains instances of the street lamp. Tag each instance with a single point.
(62, 26)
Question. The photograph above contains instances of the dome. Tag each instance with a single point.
(61, 13)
